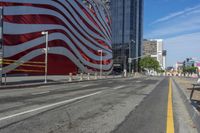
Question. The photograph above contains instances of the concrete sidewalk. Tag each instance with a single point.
(186, 85)
(193, 106)
(31, 81)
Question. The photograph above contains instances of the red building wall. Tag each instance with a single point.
(76, 33)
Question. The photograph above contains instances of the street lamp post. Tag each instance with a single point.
(101, 58)
(1, 45)
(130, 59)
(46, 55)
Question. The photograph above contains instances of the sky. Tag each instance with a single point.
(177, 22)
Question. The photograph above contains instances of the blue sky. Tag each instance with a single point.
(178, 23)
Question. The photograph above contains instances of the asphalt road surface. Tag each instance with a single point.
(104, 106)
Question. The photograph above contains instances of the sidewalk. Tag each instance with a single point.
(186, 85)
(31, 81)
(193, 106)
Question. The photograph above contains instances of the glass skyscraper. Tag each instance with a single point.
(127, 32)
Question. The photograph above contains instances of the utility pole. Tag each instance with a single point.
(130, 59)
(101, 58)
(123, 40)
(46, 55)
(1, 47)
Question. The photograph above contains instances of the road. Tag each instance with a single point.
(113, 105)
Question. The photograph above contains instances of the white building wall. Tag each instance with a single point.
(159, 55)
(164, 62)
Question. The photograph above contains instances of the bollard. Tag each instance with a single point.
(70, 77)
(95, 76)
(88, 77)
(125, 73)
(5, 82)
(132, 74)
(77, 76)
(81, 77)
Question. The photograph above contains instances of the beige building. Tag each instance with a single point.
(154, 48)
(149, 47)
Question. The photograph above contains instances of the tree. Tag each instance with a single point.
(149, 63)
(189, 69)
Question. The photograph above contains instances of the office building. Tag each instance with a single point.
(127, 32)
(164, 54)
(150, 47)
(154, 48)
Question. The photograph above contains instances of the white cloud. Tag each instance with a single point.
(176, 14)
(192, 39)
(186, 24)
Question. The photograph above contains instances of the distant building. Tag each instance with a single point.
(191, 62)
(179, 66)
(170, 68)
(154, 48)
(150, 47)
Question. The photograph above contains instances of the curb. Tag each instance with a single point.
(21, 86)
(194, 114)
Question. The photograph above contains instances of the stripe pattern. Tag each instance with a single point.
(77, 29)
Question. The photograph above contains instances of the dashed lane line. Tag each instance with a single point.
(118, 87)
(49, 106)
(39, 93)
(87, 85)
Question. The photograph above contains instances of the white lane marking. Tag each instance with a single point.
(118, 87)
(87, 85)
(39, 93)
(138, 81)
(43, 87)
(49, 106)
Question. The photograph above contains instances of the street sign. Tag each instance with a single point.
(117, 65)
(129, 60)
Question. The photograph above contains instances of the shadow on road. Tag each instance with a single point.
(196, 104)
(195, 101)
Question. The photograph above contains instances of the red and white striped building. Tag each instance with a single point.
(77, 30)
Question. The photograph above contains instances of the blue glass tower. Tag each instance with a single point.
(127, 32)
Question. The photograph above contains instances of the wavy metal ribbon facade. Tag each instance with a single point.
(77, 30)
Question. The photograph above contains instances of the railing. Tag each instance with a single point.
(32, 64)
(28, 64)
